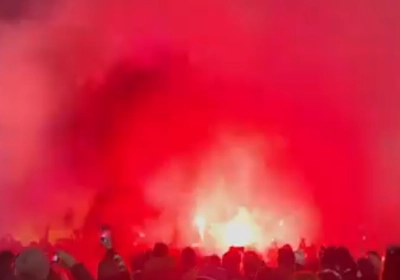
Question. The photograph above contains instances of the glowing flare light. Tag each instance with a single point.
(241, 230)
(200, 224)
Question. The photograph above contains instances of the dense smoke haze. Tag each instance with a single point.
(149, 102)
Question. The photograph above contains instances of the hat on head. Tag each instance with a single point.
(32, 263)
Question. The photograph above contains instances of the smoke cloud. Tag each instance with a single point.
(321, 76)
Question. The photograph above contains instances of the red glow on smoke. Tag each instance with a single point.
(252, 117)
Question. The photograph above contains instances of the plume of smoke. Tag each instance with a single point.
(39, 77)
(309, 64)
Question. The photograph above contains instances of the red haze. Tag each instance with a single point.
(314, 82)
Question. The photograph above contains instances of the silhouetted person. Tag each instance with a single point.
(6, 264)
(189, 269)
(251, 264)
(231, 263)
(160, 264)
(346, 265)
(366, 270)
(391, 266)
(212, 268)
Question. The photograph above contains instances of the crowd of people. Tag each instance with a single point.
(161, 262)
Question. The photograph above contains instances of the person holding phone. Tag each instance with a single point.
(33, 264)
(112, 266)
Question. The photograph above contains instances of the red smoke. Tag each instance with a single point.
(137, 105)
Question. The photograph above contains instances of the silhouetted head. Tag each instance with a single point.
(286, 257)
(328, 258)
(251, 263)
(344, 259)
(214, 260)
(376, 261)
(231, 261)
(160, 250)
(188, 258)
(32, 264)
